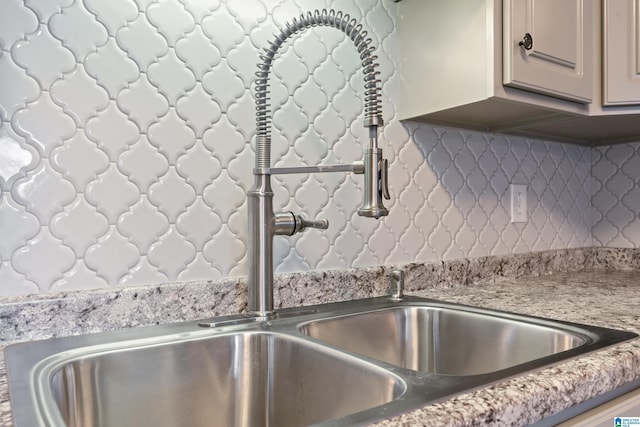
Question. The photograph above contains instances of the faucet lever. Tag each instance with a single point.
(384, 178)
(288, 223)
(321, 224)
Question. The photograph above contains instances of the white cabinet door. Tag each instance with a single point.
(621, 52)
(556, 58)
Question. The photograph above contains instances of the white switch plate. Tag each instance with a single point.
(518, 203)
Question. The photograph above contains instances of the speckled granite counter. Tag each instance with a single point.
(604, 298)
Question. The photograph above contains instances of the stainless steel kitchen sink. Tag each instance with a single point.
(336, 364)
(444, 340)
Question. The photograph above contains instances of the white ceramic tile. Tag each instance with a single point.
(234, 141)
(112, 130)
(43, 259)
(112, 193)
(224, 84)
(64, 159)
(242, 116)
(239, 168)
(171, 254)
(233, 197)
(79, 225)
(170, 136)
(79, 95)
(44, 124)
(171, 77)
(171, 20)
(143, 164)
(172, 194)
(43, 57)
(197, 52)
(17, 87)
(143, 224)
(111, 68)
(199, 167)
(223, 29)
(15, 22)
(142, 103)
(78, 30)
(225, 251)
(199, 110)
(43, 192)
(142, 42)
(114, 14)
(199, 223)
(15, 156)
(112, 256)
(348, 245)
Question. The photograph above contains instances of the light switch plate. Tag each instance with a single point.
(518, 203)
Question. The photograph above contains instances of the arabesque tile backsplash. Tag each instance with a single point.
(616, 196)
(124, 153)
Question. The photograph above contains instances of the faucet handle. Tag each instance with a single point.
(304, 223)
(384, 178)
(288, 223)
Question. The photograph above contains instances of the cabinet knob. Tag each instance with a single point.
(527, 41)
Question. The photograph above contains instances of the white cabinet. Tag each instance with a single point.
(451, 63)
(548, 47)
(461, 64)
(621, 52)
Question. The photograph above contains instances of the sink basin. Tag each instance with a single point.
(249, 378)
(444, 340)
(339, 364)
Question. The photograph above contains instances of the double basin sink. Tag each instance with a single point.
(334, 364)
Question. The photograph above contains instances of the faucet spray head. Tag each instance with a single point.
(376, 186)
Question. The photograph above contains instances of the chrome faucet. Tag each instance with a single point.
(263, 222)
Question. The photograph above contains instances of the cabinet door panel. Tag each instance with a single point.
(559, 61)
(621, 52)
(555, 34)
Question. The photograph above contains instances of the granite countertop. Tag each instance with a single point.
(603, 298)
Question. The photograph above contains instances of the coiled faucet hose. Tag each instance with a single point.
(331, 18)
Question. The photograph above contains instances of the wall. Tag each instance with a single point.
(124, 153)
(616, 196)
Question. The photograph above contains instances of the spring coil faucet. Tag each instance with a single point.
(263, 222)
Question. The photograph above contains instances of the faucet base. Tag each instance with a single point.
(260, 316)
